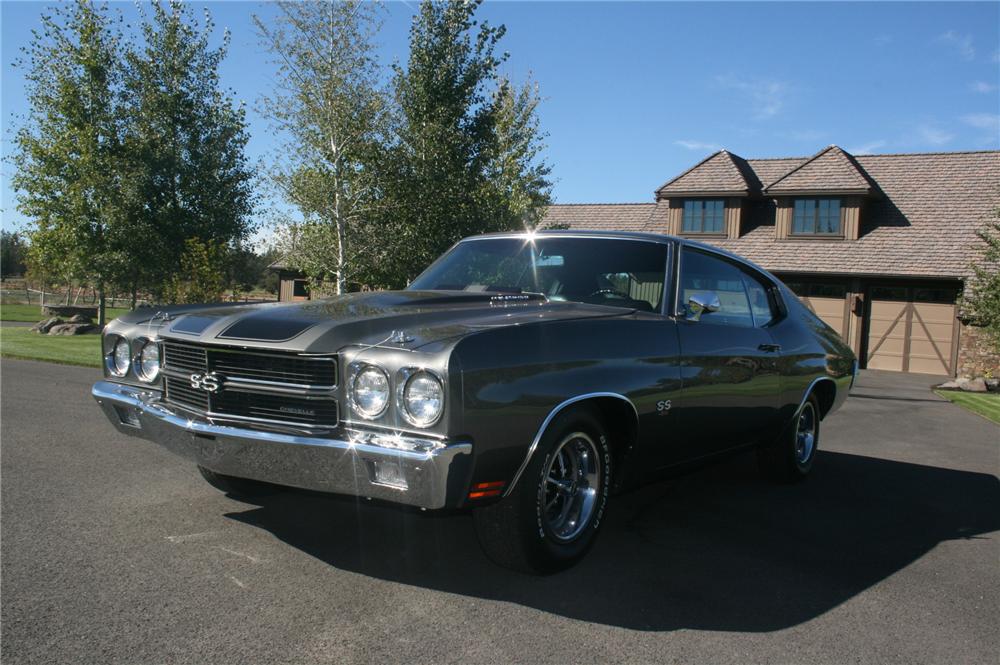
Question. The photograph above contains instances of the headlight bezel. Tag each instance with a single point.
(111, 356)
(357, 369)
(404, 378)
(142, 344)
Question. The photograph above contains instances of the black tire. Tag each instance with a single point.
(789, 458)
(523, 532)
(236, 486)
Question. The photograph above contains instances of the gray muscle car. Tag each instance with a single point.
(527, 377)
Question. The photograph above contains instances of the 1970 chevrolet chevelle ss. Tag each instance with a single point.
(527, 377)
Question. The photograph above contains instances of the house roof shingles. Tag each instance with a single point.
(830, 170)
(599, 216)
(719, 172)
(922, 224)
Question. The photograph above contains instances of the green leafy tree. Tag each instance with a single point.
(13, 253)
(248, 270)
(467, 157)
(199, 279)
(982, 302)
(328, 103)
(67, 150)
(189, 182)
(517, 175)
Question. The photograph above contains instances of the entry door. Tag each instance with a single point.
(911, 329)
(730, 384)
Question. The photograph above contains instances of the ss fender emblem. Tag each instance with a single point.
(210, 382)
(663, 406)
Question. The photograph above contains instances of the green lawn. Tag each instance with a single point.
(985, 404)
(33, 313)
(71, 350)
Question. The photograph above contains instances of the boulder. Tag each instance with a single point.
(69, 310)
(953, 385)
(993, 385)
(974, 386)
(80, 318)
(43, 327)
(74, 329)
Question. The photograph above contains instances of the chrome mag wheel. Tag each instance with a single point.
(572, 486)
(805, 434)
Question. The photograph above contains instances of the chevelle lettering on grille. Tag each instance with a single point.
(525, 377)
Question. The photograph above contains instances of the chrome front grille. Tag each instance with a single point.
(258, 386)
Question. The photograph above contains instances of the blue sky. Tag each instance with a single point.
(634, 93)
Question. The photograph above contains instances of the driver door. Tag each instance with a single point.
(729, 370)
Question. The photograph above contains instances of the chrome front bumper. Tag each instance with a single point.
(376, 466)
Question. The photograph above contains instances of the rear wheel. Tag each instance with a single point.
(552, 516)
(789, 458)
(236, 486)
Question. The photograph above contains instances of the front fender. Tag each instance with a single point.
(516, 380)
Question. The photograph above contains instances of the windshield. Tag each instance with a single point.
(605, 271)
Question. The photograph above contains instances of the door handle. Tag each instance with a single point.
(769, 348)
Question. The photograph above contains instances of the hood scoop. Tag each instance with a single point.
(266, 327)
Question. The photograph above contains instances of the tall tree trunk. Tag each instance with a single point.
(101, 317)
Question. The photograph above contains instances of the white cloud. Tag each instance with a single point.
(868, 148)
(765, 96)
(989, 123)
(933, 134)
(961, 43)
(982, 120)
(982, 87)
(698, 145)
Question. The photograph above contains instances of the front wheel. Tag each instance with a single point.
(789, 458)
(552, 516)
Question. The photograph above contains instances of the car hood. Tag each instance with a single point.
(391, 318)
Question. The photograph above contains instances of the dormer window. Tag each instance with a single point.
(704, 216)
(816, 217)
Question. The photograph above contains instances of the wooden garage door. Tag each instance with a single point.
(826, 300)
(911, 329)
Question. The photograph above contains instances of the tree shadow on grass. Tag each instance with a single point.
(715, 550)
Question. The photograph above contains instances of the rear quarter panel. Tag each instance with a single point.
(810, 350)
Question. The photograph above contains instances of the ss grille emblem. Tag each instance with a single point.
(210, 382)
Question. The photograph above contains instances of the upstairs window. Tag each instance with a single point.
(817, 217)
(703, 216)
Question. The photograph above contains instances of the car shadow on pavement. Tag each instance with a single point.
(715, 550)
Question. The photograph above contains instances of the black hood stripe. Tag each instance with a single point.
(266, 329)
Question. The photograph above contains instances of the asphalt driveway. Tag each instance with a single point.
(115, 551)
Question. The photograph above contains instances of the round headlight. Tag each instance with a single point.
(149, 362)
(121, 358)
(370, 392)
(423, 399)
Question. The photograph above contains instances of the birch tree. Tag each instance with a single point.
(328, 103)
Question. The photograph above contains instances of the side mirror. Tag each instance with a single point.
(699, 303)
